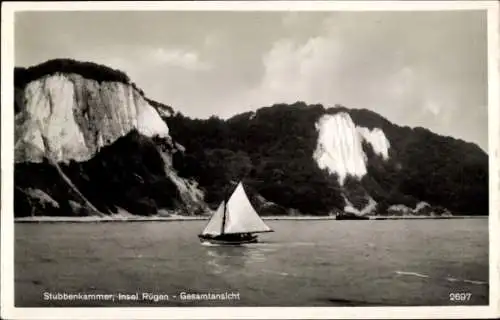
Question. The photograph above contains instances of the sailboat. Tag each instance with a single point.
(235, 221)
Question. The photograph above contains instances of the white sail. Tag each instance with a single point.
(214, 226)
(241, 217)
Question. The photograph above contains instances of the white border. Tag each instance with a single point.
(8, 311)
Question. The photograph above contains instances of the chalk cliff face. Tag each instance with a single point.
(340, 151)
(79, 116)
(340, 148)
(93, 132)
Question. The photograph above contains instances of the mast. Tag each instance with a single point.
(223, 219)
(226, 193)
(224, 214)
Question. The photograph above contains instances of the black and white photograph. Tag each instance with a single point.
(225, 155)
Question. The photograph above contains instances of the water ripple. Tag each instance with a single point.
(450, 279)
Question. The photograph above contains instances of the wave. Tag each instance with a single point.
(450, 279)
(475, 281)
(275, 272)
(412, 274)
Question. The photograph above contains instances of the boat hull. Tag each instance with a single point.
(229, 240)
(351, 217)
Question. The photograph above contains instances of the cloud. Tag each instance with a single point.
(180, 58)
(432, 107)
(297, 71)
(401, 82)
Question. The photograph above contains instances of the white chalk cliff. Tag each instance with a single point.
(79, 116)
(339, 148)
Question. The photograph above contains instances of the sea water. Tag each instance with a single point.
(302, 263)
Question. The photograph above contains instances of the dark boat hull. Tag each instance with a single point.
(228, 239)
(352, 217)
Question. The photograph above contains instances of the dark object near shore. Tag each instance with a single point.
(350, 216)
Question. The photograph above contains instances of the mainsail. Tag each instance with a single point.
(240, 216)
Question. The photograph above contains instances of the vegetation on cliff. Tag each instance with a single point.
(271, 150)
(129, 174)
(89, 70)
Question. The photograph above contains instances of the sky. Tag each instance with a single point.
(425, 69)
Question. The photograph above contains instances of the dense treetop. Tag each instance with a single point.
(271, 150)
(89, 70)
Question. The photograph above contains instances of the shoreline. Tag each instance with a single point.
(95, 219)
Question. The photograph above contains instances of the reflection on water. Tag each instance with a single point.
(222, 259)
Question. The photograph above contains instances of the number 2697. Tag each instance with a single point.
(460, 296)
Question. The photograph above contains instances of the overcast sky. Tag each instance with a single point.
(415, 68)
